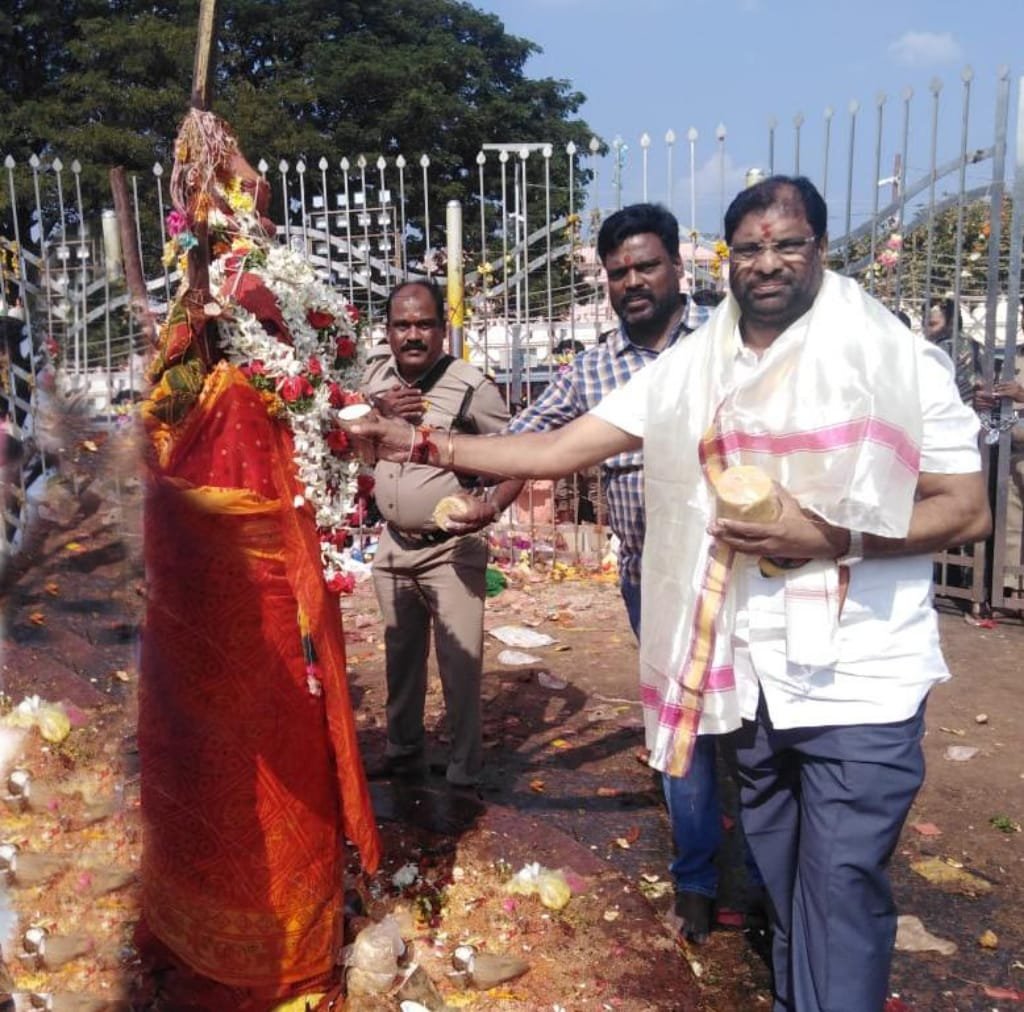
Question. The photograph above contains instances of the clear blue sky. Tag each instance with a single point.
(655, 65)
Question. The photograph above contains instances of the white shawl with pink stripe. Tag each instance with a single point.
(832, 412)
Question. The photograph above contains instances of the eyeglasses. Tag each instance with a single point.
(787, 249)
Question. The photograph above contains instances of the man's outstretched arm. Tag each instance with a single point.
(586, 440)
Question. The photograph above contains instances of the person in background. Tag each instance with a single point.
(938, 326)
(639, 249)
(938, 323)
(428, 575)
(1013, 390)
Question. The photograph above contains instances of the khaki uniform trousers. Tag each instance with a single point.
(442, 584)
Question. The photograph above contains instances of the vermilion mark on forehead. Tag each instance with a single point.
(627, 260)
(766, 229)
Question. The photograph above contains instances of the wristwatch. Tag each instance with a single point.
(855, 551)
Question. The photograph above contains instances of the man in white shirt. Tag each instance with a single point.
(821, 669)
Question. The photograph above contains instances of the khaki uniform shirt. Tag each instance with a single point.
(407, 493)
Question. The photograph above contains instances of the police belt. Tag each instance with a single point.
(419, 539)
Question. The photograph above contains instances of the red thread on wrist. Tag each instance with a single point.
(421, 452)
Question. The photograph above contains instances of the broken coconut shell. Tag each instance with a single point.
(744, 492)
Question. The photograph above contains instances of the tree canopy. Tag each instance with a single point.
(107, 81)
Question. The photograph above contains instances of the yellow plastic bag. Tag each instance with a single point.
(51, 718)
(534, 879)
(553, 889)
(53, 724)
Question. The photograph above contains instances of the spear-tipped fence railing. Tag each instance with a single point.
(951, 226)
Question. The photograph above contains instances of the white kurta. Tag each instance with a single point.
(902, 394)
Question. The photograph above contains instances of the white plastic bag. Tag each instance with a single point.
(372, 959)
(520, 636)
(514, 658)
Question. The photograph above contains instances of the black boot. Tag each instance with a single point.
(695, 911)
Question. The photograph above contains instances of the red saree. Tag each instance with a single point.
(250, 782)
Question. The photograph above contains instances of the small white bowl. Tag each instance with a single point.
(353, 412)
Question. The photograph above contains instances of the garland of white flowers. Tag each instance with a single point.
(328, 482)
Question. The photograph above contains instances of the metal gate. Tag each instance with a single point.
(533, 284)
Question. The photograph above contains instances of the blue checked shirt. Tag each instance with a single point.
(590, 376)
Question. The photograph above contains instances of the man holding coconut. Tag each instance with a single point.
(430, 566)
(810, 637)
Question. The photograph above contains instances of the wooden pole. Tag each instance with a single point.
(202, 75)
(202, 68)
(134, 277)
(202, 96)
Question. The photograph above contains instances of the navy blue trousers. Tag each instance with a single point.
(822, 810)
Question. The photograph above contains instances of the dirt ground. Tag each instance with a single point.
(563, 787)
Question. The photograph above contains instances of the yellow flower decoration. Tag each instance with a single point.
(721, 251)
(275, 406)
(238, 200)
(572, 228)
(9, 262)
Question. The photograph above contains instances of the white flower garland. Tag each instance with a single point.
(328, 482)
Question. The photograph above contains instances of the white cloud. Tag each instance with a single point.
(711, 195)
(923, 49)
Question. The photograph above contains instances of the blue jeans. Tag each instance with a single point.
(631, 597)
(692, 800)
(822, 808)
(696, 821)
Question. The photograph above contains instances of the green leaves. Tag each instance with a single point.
(107, 82)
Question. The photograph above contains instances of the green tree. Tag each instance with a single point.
(106, 82)
(101, 82)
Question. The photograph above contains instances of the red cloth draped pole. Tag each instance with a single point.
(251, 776)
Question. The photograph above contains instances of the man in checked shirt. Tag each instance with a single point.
(639, 249)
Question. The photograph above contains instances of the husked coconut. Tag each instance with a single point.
(450, 507)
(745, 492)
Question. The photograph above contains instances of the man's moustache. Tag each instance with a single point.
(414, 346)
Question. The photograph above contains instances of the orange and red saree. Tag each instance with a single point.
(250, 781)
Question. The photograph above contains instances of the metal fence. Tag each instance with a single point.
(950, 226)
